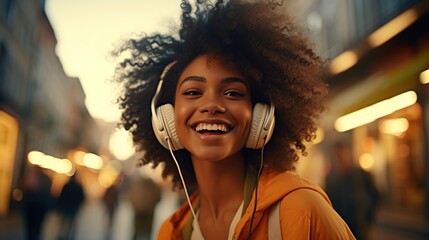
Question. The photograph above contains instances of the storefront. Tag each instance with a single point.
(380, 105)
(9, 130)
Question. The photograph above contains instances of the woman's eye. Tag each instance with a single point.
(234, 94)
(192, 92)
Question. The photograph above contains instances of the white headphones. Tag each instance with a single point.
(164, 126)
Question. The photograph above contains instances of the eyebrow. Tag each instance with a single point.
(203, 79)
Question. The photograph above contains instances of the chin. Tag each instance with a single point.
(215, 154)
(210, 155)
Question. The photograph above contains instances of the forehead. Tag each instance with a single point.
(211, 68)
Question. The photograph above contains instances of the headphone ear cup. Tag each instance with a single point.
(259, 134)
(165, 116)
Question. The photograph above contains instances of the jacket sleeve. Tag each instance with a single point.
(306, 214)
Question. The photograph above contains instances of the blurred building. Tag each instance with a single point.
(41, 108)
(378, 61)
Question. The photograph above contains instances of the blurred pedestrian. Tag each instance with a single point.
(144, 196)
(37, 200)
(352, 191)
(69, 202)
(111, 200)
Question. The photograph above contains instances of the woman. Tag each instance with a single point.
(228, 104)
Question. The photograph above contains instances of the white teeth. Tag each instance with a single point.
(211, 127)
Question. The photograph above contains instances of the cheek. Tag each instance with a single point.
(178, 109)
(247, 115)
(243, 114)
(181, 115)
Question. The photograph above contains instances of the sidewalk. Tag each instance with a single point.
(399, 225)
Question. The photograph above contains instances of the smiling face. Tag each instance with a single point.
(213, 109)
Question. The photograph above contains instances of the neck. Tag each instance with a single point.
(221, 185)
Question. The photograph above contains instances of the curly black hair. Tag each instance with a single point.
(262, 42)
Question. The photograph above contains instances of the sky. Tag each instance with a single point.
(87, 30)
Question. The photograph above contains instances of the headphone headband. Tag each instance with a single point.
(155, 98)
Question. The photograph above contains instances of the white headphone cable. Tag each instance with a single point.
(261, 166)
(199, 233)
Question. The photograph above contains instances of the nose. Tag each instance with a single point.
(212, 104)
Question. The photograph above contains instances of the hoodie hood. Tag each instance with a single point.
(273, 186)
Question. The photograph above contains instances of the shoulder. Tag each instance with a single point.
(165, 230)
(306, 212)
(170, 230)
(306, 200)
(291, 185)
(284, 183)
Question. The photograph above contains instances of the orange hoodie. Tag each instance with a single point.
(305, 212)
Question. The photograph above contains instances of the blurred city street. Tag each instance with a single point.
(56, 131)
(91, 221)
(92, 224)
